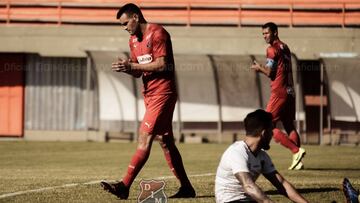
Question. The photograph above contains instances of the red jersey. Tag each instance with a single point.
(279, 60)
(155, 43)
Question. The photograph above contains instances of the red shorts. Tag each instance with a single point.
(281, 108)
(158, 115)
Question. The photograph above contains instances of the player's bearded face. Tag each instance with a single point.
(130, 23)
(268, 35)
(266, 138)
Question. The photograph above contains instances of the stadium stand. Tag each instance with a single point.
(190, 13)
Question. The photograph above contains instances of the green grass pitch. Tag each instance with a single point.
(26, 166)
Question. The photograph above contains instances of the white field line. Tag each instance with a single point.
(88, 183)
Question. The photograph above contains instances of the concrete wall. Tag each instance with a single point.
(306, 43)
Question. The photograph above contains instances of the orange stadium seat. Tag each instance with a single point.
(34, 14)
(257, 17)
(188, 12)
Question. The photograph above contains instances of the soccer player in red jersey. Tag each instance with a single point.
(282, 100)
(152, 59)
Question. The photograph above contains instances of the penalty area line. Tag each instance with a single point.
(87, 183)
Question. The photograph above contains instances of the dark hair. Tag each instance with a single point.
(272, 26)
(130, 9)
(257, 121)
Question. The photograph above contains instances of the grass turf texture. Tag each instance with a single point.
(34, 165)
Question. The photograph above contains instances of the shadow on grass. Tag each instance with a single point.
(205, 196)
(332, 169)
(307, 190)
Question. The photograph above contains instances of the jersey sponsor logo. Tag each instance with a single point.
(144, 59)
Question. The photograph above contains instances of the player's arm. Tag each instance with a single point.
(269, 69)
(159, 64)
(135, 74)
(266, 70)
(250, 188)
(119, 66)
(284, 187)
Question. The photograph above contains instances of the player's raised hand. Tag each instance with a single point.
(121, 65)
(116, 66)
(255, 66)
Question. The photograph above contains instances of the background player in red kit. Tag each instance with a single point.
(152, 59)
(282, 100)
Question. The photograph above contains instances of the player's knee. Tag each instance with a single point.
(276, 131)
(277, 134)
(161, 141)
(165, 141)
(144, 141)
(289, 127)
(143, 146)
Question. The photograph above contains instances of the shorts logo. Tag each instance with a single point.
(290, 91)
(144, 59)
(152, 191)
(147, 124)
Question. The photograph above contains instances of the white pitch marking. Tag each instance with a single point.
(88, 183)
(37, 190)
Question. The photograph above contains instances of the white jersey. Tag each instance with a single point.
(239, 158)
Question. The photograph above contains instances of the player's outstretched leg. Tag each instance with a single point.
(291, 131)
(283, 139)
(121, 189)
(352, 196)
(294, 138)
(176, 165)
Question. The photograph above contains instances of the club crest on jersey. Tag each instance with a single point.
(152, 191)
(144, 59)
(148, 45)
(148, 37)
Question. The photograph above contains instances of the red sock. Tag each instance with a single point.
(176, 165)
(295, 138)
(137, 162)
(281, 138)
(169, 162)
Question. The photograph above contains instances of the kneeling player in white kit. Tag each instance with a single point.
(243, 162)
